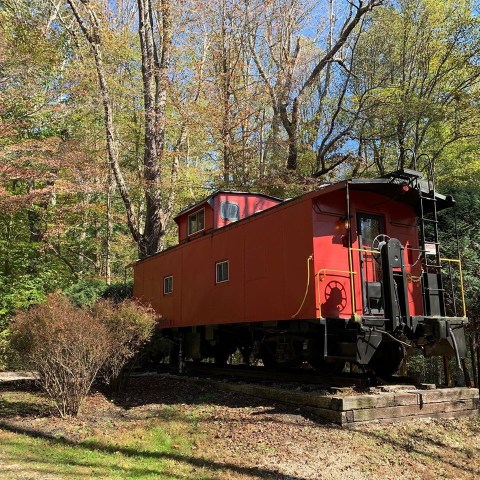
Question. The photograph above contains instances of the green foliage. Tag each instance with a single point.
(9, 358)
(4, 348)
(468, 221)
(86, 292)
(22, 291)
(119, 291)
(420, 76)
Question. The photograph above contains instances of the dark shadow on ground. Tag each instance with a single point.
(158, 389)
(167, 391)
(19, 405)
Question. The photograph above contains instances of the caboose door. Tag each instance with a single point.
(370, 229)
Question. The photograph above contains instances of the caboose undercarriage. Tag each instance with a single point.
(326, 344)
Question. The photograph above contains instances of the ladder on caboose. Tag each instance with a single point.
(433, 293)
(432, 284)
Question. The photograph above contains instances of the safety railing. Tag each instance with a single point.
(351, 276)
(456, 261)
(322, 274)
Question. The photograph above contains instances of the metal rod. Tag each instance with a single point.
(350, 256)
(462, 289)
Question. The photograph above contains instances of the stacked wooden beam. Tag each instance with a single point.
(404, 404)
(350, 410)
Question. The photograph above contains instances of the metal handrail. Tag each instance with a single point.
(462, 290)
(321, 274)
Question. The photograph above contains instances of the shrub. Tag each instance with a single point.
(68, 346)
(119, 291)
(65, 345)
(86, 292)
(129, 326)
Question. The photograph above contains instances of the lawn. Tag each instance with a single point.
(36, 446)
(165, 429)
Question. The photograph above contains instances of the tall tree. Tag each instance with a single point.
(288, 92)
(155, 35)
(423, 76)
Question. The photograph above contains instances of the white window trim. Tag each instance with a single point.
(216, 271)
(188, 222)
(164, 285)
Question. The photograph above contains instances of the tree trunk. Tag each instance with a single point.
(108, 237)
(155, 63)
(292, 161)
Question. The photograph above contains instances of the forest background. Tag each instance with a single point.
(115, 115)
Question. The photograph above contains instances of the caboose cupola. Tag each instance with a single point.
(220, 209)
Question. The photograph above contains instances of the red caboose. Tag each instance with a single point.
(349, 272)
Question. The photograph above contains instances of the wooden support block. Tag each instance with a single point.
(455, 414)
(396, 388)
(447, 394)
(403, 399)
(412, 410)
(329, 415)
(356, 402)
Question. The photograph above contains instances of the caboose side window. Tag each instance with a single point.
(196, 222)
(168, 285)
(221, 272)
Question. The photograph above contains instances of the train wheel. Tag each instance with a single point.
(327, 367)
(387, 359)
(283, 353)
(267, 356)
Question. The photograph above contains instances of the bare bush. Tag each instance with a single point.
(68, 346)
(65, 345)
(129, 326)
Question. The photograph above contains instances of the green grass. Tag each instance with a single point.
(156, 447)
(165, 457)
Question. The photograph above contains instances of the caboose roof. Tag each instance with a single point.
(390, 186)
(209, 200)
